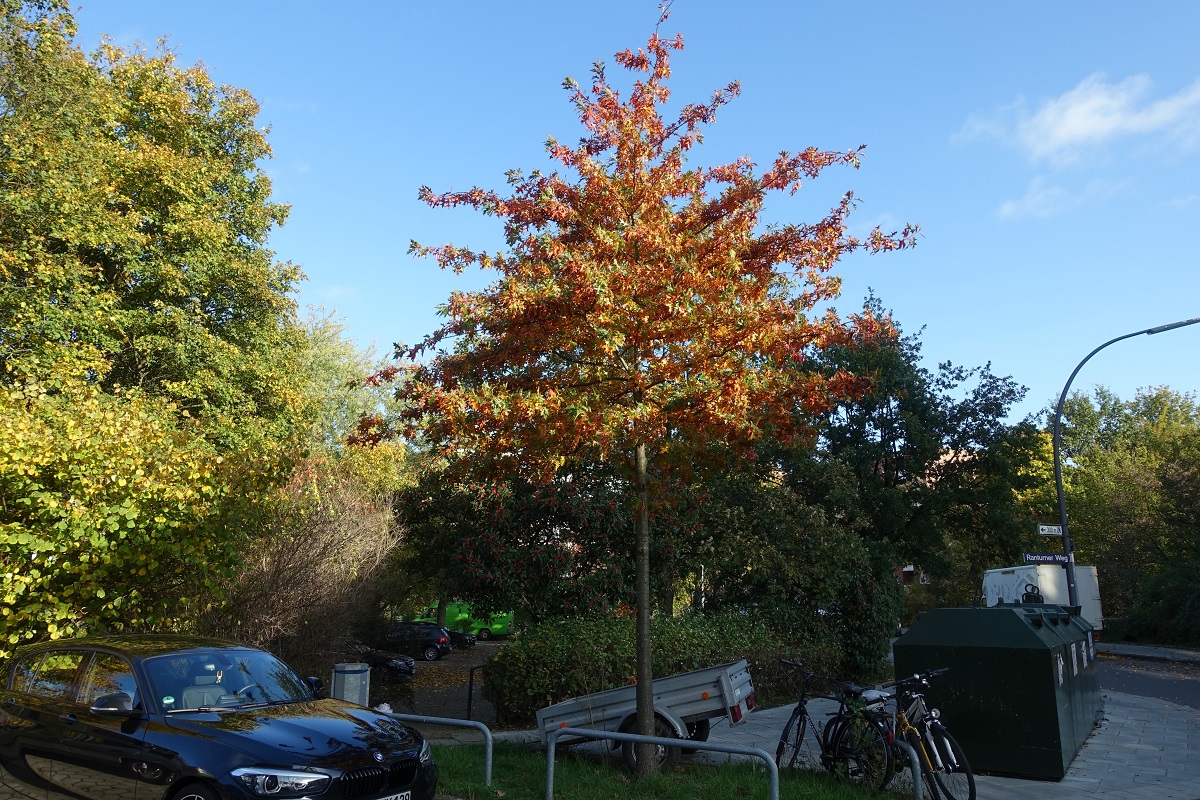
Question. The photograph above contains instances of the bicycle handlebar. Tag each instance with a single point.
(842, 689)
(919, 679)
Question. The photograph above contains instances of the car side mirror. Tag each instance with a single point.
(316, 686)
(114, 705)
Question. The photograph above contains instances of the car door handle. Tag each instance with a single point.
(70, 719)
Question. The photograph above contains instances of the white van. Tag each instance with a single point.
(1008, 585)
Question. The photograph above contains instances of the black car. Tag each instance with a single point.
(188, 718)
(460, 639)
(421, 639)
(390, 665)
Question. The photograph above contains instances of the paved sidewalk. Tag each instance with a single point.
(1140, 751)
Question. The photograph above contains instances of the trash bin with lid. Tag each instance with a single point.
(1021, 696)
(351, 682)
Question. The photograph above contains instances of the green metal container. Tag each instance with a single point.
(1022, 694)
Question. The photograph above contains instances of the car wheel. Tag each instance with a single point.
(483, 635)
(195, 791)
(432, 653)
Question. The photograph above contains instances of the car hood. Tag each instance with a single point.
(331, 734)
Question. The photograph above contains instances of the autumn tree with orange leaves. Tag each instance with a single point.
(641, 312)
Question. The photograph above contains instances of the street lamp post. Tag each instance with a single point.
(1068, 546)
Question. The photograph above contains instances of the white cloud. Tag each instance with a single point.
(1040, 201)
(1094, 113)
(1045, 200)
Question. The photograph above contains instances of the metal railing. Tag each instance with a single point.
(459, 723)
(690, 744)
(585, 733)
(915, 763)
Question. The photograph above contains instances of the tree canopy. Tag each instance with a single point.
(641, 311)
(933, 464)
(1130, 479)
(133, 226)
(147, 334)
(639, 301)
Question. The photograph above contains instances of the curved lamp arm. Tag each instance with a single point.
(1068, 546)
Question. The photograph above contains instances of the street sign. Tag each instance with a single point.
(1050, 530)
(1044, 558)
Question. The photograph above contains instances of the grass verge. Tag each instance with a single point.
(519, 773)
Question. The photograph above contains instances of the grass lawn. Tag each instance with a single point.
(519, 773)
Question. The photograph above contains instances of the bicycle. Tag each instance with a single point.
(850, 744)
(945, 771)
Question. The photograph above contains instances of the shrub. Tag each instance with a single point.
(310, 577)
(561, 659)
(1168, 609)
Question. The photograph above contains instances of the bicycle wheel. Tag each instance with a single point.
(828, 737)
(862, 754)
(787, 755)
(954, 776)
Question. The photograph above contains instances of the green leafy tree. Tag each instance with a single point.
(554, 550)
(641, 310)
(340, 383)
(934, 467)
(764, 547)
(1129, 470)
(133, 223)
(147, 334)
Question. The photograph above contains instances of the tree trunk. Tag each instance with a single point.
(645, 675)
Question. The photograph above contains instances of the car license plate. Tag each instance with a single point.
(402, 796)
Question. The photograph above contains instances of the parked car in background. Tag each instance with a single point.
(460, 640)
(460, 617)
(191, 718)
(419, 639)
(391, 665)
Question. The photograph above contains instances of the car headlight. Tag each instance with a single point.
(426, 752)
(265, 782)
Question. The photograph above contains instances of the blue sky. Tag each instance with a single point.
(1050, 151)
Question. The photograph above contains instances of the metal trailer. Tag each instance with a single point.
(684, 705)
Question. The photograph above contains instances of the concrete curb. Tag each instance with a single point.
(1149, 652)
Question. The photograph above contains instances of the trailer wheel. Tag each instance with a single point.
(665, 757)
(697, 732)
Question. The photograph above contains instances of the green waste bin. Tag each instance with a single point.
(1082, 675)
(1022, 694)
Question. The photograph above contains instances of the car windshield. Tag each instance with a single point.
(222, 679)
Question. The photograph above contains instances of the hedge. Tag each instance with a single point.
(561, 659)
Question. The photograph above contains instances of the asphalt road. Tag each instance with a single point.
(1178, 683)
